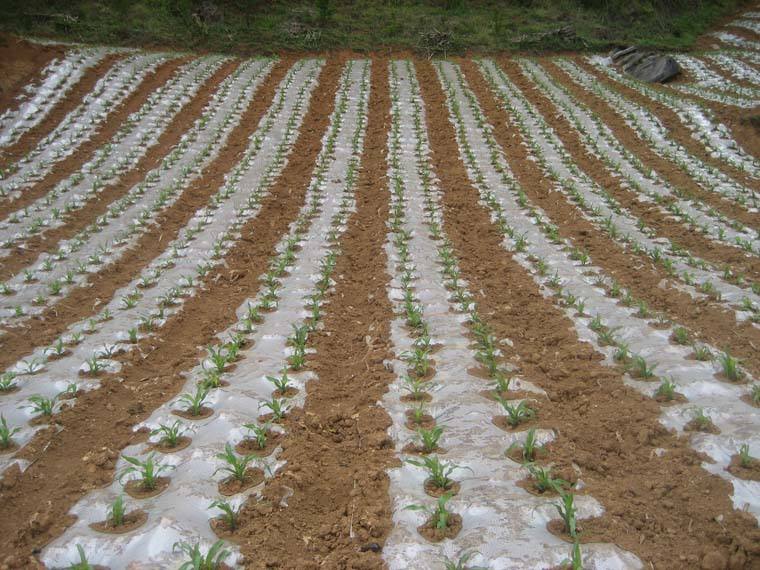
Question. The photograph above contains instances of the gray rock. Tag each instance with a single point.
(646, 66)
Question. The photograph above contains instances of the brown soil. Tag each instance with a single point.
(604, 427)
(557, 528)
(84, 300)
(75, 222)
(105, 131)
(232, 486)
(712, 322)
(530, 486)
(337, 448)
(435, 491)
(132, 521)
(433, 534)
(501, 422)
(136, 489)
(749, 472)
(677, 398)
(540, 454)
(703, 427)
(21, 64)
(203, 413)
(104, 418)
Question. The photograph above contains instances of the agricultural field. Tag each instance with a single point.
(362, 311)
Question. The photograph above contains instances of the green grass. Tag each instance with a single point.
(450, 26)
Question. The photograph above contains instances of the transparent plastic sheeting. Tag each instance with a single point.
(697, 381)
(59, 76)
(135, 212)
(141, 131)
(180, 259)
(505, 524)
(181, 512)
(79, 125)
(548, 148)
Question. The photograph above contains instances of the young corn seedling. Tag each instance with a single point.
(170, 434)
(429, 438)
(681, 336)
(745, 459)
(418, 360)
(116, 512)
(730, 366)
(212, 560)
(260, 433)
(567, 511)
(640, 367)
(235, 465)
(194, 402)
(701, 420)
(543, 479)
(218, 358)
(41, 406)
(6, 433)
(282, 383)
(529, 447)
(702, 353)
(8, 382)
(667, 389)
(501, 381)
(229, 513)
(516, 414)
(438, 471)
(461, 562)
(148, 470)
(417, 389)
(277, 406)
(754, 395)
(82, 564)
(440, 515)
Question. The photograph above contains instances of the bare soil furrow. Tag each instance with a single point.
(645, 279)
(84, 300)
(603, 428)
(20, 257)
(670, 119)
(101, 422)
(336, 448)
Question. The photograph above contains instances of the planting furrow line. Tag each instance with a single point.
(736, 41)
(263, 346)
(736, 67)
(747, 23)
(81, 123)
(110, 162)
(59, 77)
(628, 339)
(704, 128)
(714, 87)
(698, 278)
(501, 522)
(104, 241)
(651, 131)
(87, 348)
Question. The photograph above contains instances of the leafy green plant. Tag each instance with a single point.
(235, 465)
(516, 414)
(730, 366)
(543, 479)
(681, 336)
(8, 382)
(229, 513)
(461, 562)
(148, 470)
(194, 402)
(281, 383)
(745, 459)
(438, 471)
(641, 368)
(701, 420)
(170, 434)
(277, 406)
(116, 511)
(429, 438)
(567, 512)
(82, 564)
(6, 433)
(212, 560)
(754, 394)
(529, 447)
(41, 405)
(439, 515)
(260, 433)
(667, 389)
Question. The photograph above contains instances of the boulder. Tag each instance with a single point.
(646, 66)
